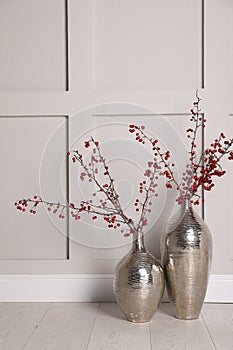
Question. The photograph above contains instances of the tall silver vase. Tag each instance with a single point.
(138, 283)
(187, 252)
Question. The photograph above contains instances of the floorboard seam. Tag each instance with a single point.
(203, 319)
(36, 327)
(92, 329)
(150, 337)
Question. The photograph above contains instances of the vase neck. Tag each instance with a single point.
(138, 243)
(187, 204)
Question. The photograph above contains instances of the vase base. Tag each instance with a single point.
(139, 318)
(187, 318)
(137, 321)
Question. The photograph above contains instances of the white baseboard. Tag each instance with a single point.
(87, 288)
(220, 289)
(57, 288)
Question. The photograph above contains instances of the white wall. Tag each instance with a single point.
(60, 57)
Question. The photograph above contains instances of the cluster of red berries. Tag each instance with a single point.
(141, 186)
(23, 205)
(197, 174)
(111, 220)
(137, 203)
(75, 215)
(138, 136)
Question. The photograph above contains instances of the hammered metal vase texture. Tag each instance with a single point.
(187, 253)
(139, 283)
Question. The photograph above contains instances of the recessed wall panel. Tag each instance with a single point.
(28, 168)
(154, 44)
(33, 45)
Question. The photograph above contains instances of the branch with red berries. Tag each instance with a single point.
(105, 201)
(201, 170)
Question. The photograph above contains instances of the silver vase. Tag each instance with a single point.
(187, 253)
(138, 283)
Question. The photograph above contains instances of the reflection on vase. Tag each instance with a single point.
(187, 252)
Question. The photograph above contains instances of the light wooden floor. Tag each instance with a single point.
(80, 326)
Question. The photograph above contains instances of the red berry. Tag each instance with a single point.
(168, 185)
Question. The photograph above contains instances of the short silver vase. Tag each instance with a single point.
(187, 253)
(139, 282)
